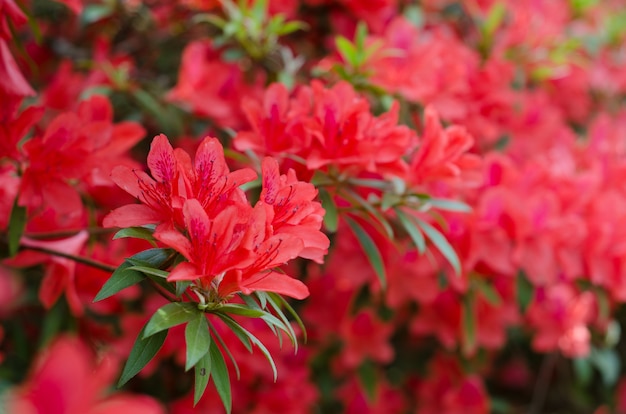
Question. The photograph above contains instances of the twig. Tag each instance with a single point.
(540, 391)
(78, 259)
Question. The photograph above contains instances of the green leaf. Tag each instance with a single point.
(494, 18)
(221, 379)
(197, 339)
(216, 335)
(124, 277)
(368, 378)
(17, 224)
(331, 217)
(291, 27)
(488, 292)
(237, 330)
(170, 315)
(95, 12)
(583, 371)
(380, 218)
(347, 50)
(608, 363)
(143, 351)
(149, 270)
(242, 310)
(449, 205)
(371, 251)
(292, 312)
(279, 312)
(181, 287)
(410, 227)
(441, 244)
(469, 324)
(240, 330)
(525, 291)
(119, 280)
(135, 232)
(202, 375)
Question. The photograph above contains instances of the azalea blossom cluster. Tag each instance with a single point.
(306, 206)
(200, 211)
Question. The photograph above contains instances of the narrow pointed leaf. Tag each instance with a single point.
(240, 330)
(368, 378)
(170, 315)
(124, 277)
(136, 232)
(221, 379)
(331, 217)
(216, 335)
(181, 287)
(279, 312)
(450, 205)
(17, 224)
(150, 271)
(202, 375)
(121, 278)
(237, 330)
(379, 218)
(197, 339)
(441, 244)
(242, 310)
(414, 233)
(524, 291)
(291, 311)
(372, 252)
(469, 324)
(143, 351)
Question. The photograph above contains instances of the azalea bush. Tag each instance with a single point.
(312, 206)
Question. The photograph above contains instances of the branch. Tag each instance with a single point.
(79, 259)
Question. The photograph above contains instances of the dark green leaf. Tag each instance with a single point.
(525, 291)
(240, 330)
(143, 351)
(331, 217)
(216, 335)
(237, 330)
(170, 315)
(136, 232)
(380, 218)
(412, 230)
(17, 224)
(202, 375)
(120, 279)
(276, 305)
(242, 310)
(221, 379)
(488, 292)
(197, 339)
(181, 287)
(292, 312)
(371, 251)
(608, 363)
(583, 370)
(469, 324)
(149, 270)
(368, 378)
(441, 244)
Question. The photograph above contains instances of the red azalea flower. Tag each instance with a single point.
(67, 380)
(295, 212)
(60, 271)
(210, 180)
(162, 197)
